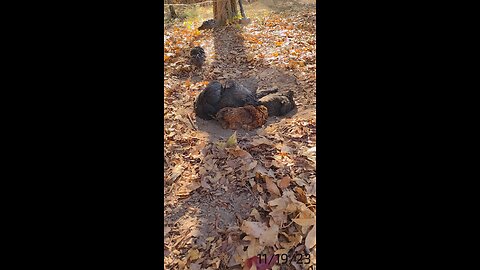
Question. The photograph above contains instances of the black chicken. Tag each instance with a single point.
(206, 103)
(233, 94)
(197, 56)
(236, 95)
(278, 104)
(209, 24)
(215, 97)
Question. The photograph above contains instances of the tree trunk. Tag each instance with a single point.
(224, 11)
(173, 14)
(241, 9)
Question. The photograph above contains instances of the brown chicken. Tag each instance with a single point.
(248, 117)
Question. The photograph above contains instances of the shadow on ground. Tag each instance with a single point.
(230, 63)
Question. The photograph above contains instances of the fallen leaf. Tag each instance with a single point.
(232, 140)
(311, 239)
(255, 229)
(254, 248)
(299, 181)
(284, 182)
(301, 195)
(255, 214)
(193, 254)
(262, 204)
(271, 186)
(252, 165)
(260, 141)
(270, 236)
(238, 152)
(279, 216)
(210, 239)
(281, 202)
(304, 221)
(294, 240)
(176, 172)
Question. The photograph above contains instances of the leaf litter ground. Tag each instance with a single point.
(230, 196)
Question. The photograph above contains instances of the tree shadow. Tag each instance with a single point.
(230, 62)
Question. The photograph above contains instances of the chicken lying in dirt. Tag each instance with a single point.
(248, 117)
(278, 104)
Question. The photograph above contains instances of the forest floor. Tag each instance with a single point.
(230, 196)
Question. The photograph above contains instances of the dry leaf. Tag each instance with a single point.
(176, 172)
(256, 214)
(255, 229)
(299, 181)
(271, 186)
(304, 221)
(270, 236)
(294, 240)
(210, 239)
(262, 204)
(286, 149)
(301, 195)
(281, 202)
(252, 165)
(238, 152)
(284, 182)
(232, 140)
(279, 216)
(260, 141)
(311, 239)
(193, 254)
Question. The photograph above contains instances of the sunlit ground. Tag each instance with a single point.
(260, 8)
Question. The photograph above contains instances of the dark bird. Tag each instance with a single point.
(197, 56)
(236, 95)
(209, 24)
(215, 97)
(233, 95)
(278, 104)
(206, 103)
(261, 93)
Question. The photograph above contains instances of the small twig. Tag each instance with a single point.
(181, 239)
(191, 122)
(283, 227)
(216, 221)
